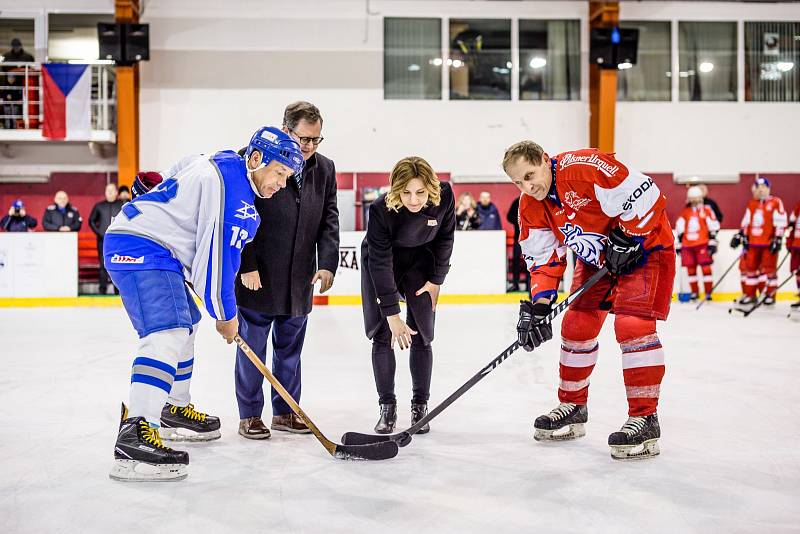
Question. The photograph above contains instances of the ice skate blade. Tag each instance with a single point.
(570, 432)
(647, 449)
(135, 471)
(184, 434)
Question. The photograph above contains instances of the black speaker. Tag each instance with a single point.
(628, 47)
(125, 44)
(109, 36)
(137, 42)
(610, 47)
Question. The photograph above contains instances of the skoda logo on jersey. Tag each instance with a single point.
(587, 245)
(247, 211)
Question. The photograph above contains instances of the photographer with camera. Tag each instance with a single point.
(17, 219)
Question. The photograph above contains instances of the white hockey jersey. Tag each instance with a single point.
(195, 222)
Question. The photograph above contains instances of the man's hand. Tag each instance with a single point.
(228, 329)
(431, 289)
(532, 329)
(251, 280)
(22, 212)
(623, 253)
(400, 331)
(11, 211)
(64, 229)
(775, 244)
(324, 276)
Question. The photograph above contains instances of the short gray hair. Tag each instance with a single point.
(297, 111)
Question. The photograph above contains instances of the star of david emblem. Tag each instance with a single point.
(247, 211)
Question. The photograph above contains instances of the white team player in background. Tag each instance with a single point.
(191, 227)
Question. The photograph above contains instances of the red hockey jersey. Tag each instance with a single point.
(793, 240)
(592, 193)
(763, 219)
(695, 224)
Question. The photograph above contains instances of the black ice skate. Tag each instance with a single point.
(693, 297)
(769, 300)
(187, 424)
(567, 416)
(637, 439)
(387, 419)
(139, 455)
(418, 411)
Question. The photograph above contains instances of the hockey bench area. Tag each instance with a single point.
(728, 459)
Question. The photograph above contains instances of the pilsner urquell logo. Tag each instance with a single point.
(592, 160)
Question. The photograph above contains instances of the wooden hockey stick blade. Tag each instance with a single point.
(376, 451)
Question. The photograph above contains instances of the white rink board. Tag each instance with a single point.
(38, 264)
(477, 264)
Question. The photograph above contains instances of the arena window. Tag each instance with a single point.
(549, 60)
(480, 59)
(650, 78)
(707, 61)
(772, 60)
(412, 58)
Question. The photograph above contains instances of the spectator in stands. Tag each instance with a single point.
(517, 265)
(11, 95)
(124, 193)
(17, 219)
(490, 217)
(710, 203)
(467, 217)
(99, 221)
(61, 216)
(17, 54)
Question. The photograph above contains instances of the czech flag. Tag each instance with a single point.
(67, 95)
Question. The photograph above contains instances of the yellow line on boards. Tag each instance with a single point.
(333, 300)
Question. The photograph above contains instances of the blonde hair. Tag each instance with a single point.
(406, 170)
(465, 194)
(528, 150)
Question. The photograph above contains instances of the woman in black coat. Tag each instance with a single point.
(405, 255)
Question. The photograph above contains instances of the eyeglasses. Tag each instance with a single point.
(308, 140)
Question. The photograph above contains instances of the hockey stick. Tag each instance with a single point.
(404, 438)
(721, 278)
(373, 451)
(764, 297)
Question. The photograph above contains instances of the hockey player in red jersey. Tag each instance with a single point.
(608, 215)
(697, 228)
(793, 246)
(761, 234)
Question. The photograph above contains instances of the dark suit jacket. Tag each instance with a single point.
(299, 227)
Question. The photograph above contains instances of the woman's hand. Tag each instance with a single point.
(400, 332)
(251, 280)
(432, 290)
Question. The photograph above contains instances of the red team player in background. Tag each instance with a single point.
(793, 246)
(761, 234)
(608, 215)
(697, 228)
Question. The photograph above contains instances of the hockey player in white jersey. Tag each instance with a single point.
(191, 228)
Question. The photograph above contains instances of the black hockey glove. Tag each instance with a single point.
(532, 328)
(623, 253)
(678, 244)
(712, 243)
(775, 244)
(738, 239)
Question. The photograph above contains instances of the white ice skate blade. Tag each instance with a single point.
(647, 449)
(565, 433)
(135, 471)
(184, 434)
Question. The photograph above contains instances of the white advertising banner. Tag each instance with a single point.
(478, 264)
(39, 264)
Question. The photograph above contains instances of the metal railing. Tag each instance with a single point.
(21, 96)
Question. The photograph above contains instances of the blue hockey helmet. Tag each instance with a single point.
(275, 145)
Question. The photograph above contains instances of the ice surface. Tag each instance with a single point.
(730, 460)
